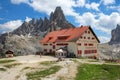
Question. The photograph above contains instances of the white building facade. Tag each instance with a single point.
(81, 42)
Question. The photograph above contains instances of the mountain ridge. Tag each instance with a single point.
(56, 21)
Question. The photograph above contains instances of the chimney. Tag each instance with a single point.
(81, 25)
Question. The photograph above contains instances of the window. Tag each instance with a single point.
(79, 51)
(85, 31)
(45, 50)
(88, 37)
(79, 44)
(84, 37)
(62, 37)
(81, 37)
(45, 44)
(90, 51)
(53, 46)
(88, 32)
(86, 51)
(90, 44)
(85, 44)
(62, 44)
(93, 38)
(65, 44)
(50, 38)
(95, 51)
(50, 50)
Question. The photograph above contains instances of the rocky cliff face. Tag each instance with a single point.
(115, 35)
(29, 33)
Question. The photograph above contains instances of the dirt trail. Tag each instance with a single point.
(67, 72)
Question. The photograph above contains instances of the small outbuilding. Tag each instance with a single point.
(9, 53)
(61, 53)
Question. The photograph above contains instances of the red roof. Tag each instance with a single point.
(66, 35)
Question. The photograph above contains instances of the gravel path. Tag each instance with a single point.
(15, 73)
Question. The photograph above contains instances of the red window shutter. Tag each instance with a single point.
(79, 44)
(85, 44)
(79, 51)
(88, 37)
(90, 44)
(95, 51)
(85, 51)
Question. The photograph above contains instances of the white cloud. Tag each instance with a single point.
(108, 21)
(80, 3)
(102, 22)
(107, 2)
(47, 6)
(19, 1)
(114, 8)
(11, 25)
(86, 19)
(28, 19)
(93, 6)
(104, 39)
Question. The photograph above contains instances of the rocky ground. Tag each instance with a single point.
(31, 63)
(108, 51)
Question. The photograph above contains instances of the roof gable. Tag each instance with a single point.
(66, 35)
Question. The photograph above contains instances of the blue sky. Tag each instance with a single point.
(101, 15)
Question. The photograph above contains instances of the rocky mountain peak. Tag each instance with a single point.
(115, 35)
(118, 26)
(58, 14)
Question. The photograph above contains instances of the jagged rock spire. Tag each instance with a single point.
(115, 35)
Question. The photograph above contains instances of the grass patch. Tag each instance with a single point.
(25, 68)
(93, 60)
(47, 63)
(98, 72)
(11, 65)
(2, 69)
(6, 61)
(74, 60)
(38, 74)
